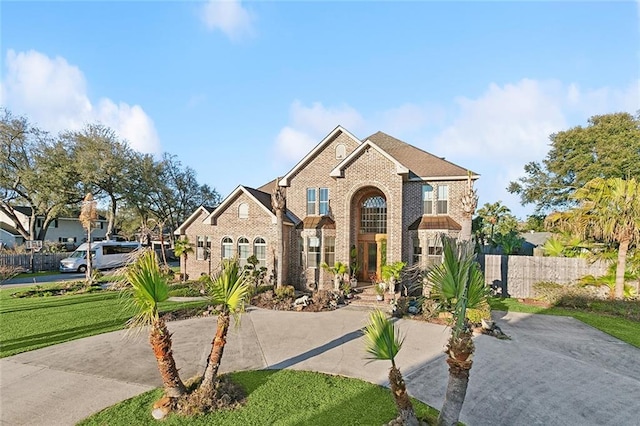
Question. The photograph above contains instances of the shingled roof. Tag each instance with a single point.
(421, 163)
(435, 223)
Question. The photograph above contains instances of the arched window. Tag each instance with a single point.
(227, 248)
(243, 211)
(373, 215)
(341, 151)
(243, 250)
(260, 251)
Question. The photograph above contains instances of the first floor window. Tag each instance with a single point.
(207, 253)
(313, 252)
(227, 248)
(243, 250)
(200, 247)
(435, 246)
(330, 250)
(260, 251)
(417, 251)
(301, 249)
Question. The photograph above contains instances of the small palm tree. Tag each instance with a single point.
(229, 290)
(384, 343)
(182, 248)
(338, 270)
(459, 282)
(148, 288)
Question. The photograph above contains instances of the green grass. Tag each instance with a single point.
(604, 315)
(35, 322)
(278, 397)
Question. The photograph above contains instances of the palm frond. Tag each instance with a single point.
(382, 340)
(230, 288)
(148, 288)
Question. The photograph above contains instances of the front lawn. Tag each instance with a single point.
(282, 397)
(616, 318)
(35, 322)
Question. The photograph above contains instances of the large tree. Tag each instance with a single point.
(608, 210)
(37, 172)
(608, 147)
(167, 191)
(103, 163)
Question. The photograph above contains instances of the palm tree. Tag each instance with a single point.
(279, 205)
(609, 210)
(338, 270)
(183, 247)
(459, 282)
(492, 214)
(384, 343)
(148, 289)
(229, 290)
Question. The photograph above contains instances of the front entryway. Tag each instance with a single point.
(371, 223)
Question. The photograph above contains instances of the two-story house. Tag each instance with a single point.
(67, 231)
(361, 202)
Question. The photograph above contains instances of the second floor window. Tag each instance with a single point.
(443, 199)
(324, 201)
(427, 199)
(311, 201)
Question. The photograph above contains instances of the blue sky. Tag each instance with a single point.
(240, 91)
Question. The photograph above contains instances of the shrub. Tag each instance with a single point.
(285, 292)
(476, 315)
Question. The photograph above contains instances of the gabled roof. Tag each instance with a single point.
(337, 171)
(261, 198)
(9, 229)
(324, 142)
(435, 223)
(268, 187)
(180, 230)
(421, 163)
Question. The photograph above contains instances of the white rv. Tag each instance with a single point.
(104, 255)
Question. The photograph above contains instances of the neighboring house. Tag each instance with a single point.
(379, 199)
(63, 230)
(532, 241)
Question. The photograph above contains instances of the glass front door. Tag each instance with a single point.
(368, 259)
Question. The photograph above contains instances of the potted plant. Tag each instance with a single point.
(338, 270)
(379, 289)
(391, 274)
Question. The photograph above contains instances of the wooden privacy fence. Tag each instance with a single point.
(41, 261)
(514, 276)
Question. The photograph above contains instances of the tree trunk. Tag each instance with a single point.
(112, 218)
(620, 268)
(280, 250)
(160, 340)
(460, 351)
(89, 260)
(217, 348)
(405, 410)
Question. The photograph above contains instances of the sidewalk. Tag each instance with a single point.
(555, 371)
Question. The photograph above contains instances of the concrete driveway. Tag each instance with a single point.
(554, 371)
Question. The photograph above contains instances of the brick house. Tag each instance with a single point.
(368, 201)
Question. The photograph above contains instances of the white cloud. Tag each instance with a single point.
(53, 94)
(309, 125)
(508, 126)
(230, 17)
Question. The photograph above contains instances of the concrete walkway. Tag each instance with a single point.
(555, 370)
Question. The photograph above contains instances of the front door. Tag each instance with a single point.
(368, 259)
